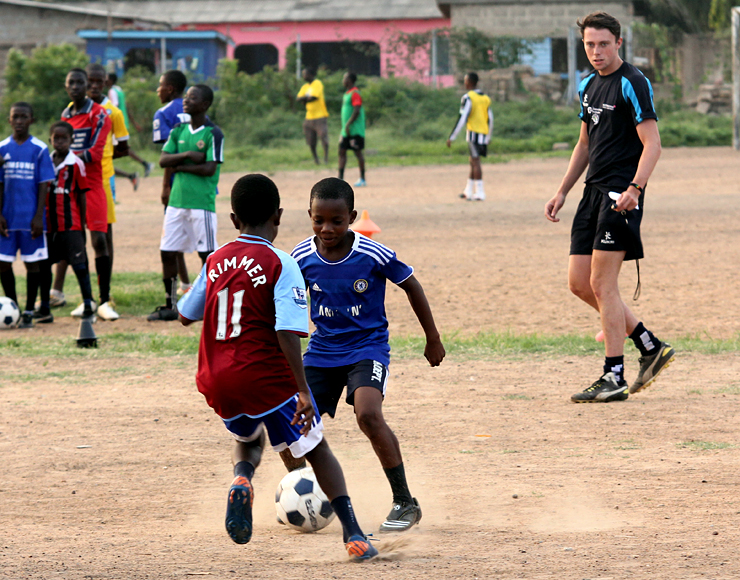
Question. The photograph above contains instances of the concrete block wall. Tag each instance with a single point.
(534, 19)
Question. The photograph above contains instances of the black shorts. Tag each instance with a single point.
(477, 149)
(354, 142)
(327, 383)
(596, 226)
(67, 246)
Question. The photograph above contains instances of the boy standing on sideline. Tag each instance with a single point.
(477, 117)
(65, 212)
(91, 127)
(193, 154)
(24, 182)
(170, 90)
(96, 78)
(353, 127)
(316, 125)
(252, 301)
(619, 142)
(346, 275)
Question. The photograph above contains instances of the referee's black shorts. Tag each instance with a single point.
(596, 226)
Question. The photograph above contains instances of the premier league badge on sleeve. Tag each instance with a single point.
(299, 296)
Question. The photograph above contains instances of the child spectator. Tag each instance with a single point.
(192, 153)
(25, 174)
(252, 301)
(66, 220)
(346, 274)
(170, 90)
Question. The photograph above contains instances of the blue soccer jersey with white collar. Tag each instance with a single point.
(348, 301)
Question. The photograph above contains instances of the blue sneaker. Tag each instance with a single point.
(360, 549)
(360, 183)
(239, 510)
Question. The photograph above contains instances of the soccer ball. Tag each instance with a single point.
(9, 313)
(301, 503)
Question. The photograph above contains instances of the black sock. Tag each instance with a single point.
(83, 279)
(8, 282)
(397, 478)
(45, 285)
(343, 508)
(245, 469)
(102, 267)
(32, 289)
(170, 287)
(644, 340)
(341, 174)
(615, 364)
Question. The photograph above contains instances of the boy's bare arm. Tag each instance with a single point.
(3, 223)
(290, 344)
(37, 223)
(205, 169)
(82, 205)
(175, 159)
(434, 351)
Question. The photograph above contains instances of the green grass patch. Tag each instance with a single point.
(704, 445)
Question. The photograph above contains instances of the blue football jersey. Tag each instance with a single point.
(167, 117)
(25, 167)
(348, 301)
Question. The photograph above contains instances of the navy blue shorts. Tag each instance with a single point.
(282, 434)
(327, 383)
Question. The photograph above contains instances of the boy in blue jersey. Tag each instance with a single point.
(251, 299)
(346, 274)
(25, 174)
(170, 90)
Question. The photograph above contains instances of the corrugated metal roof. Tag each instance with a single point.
(98, 10)
(213, 11)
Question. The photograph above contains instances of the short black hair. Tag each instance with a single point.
(95, 67)
(254, 199)
(352, 77)
(333, 188)
(113, 77)
(81, 71)
(473, 77)
(62, 125)
(176, 79)
(22, 104)
(311, 70)
(206, 92)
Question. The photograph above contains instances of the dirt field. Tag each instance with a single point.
(115, 468)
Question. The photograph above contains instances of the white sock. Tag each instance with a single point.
(479, 191)
(469, 188)
(184, 286)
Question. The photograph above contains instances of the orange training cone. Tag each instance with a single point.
(365, 225)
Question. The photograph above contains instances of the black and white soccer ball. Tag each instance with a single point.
(301, 503)
(9, 313)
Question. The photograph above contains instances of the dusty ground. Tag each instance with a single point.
(114, 467)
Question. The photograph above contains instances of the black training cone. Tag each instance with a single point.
(86, 335)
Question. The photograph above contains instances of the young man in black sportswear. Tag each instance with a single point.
(619, 142)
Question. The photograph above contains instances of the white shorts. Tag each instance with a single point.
(188, 230)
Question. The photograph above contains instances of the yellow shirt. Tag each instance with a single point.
(315, 109)
(118, 132)
(478, 118)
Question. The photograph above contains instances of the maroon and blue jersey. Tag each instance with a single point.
(612, 106)
(348, 301)
(246, 292)
(25, 166)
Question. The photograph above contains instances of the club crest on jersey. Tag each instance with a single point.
(360, 285)
(595, 118)
(299, 297)
(200, 144)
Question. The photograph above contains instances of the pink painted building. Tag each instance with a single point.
(337, 34)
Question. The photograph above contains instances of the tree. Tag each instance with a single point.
(719, 15)
(39, 79)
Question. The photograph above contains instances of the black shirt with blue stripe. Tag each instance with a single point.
(612, 106)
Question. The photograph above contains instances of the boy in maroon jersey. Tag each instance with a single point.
(252, 300)
(65, 220)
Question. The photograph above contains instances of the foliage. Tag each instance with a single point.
(664, 40)
(140, 86)
(719, 15)
(684, 15)
(39, 78)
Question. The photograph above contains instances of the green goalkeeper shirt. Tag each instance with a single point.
(190, 191)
